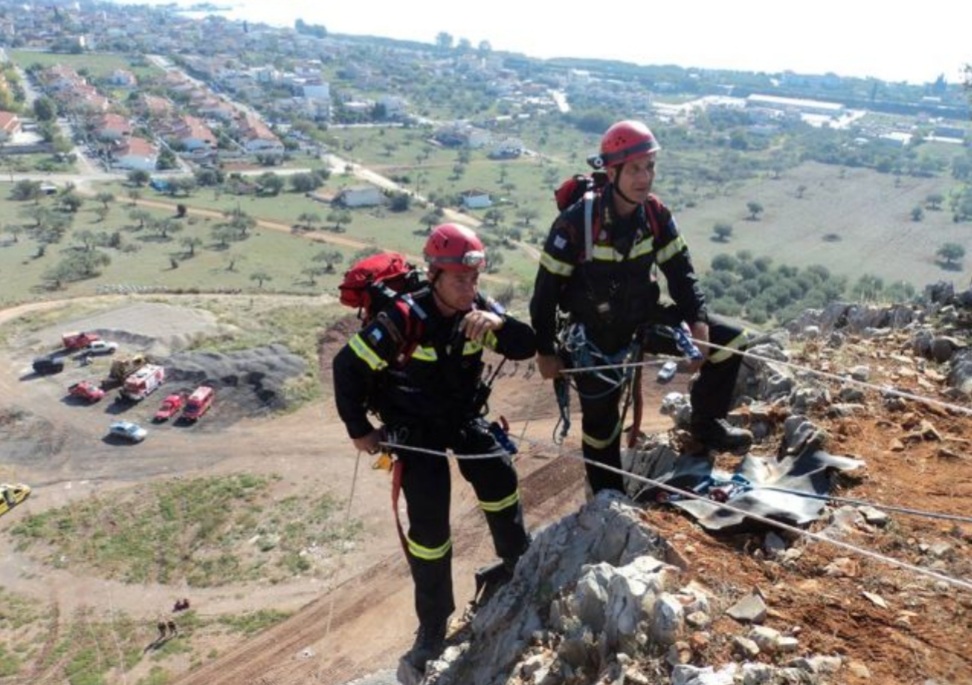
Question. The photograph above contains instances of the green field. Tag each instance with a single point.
(853, 222)
(869, 212)
(146, 260)
(98, 64)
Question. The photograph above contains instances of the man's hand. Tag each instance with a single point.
(369, 443)
(700, 334)
(549, 365)
(477, 323)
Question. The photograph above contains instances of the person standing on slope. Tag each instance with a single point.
(611, 295)
(419, 366)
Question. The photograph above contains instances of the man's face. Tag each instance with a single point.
(636, 177)
(457, 289)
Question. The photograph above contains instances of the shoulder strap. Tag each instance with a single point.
(588, 225)
(651, 211)
(406, 340)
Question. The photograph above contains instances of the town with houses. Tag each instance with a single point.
(210, 91)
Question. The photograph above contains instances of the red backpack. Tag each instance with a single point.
(372, 283)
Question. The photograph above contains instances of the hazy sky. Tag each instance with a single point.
(850, 37)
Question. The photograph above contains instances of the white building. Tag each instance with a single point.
(360, 196)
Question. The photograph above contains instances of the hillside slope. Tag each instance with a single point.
(885, 624)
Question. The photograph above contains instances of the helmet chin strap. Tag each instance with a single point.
(617, 188)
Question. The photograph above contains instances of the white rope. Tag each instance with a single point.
(956, 582)
(347, 520)
(883, 507)
(886, 390)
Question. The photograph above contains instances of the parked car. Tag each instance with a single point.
(46, 365)
(127, 430)
(667, 371)
(102, 347)
(12, 494)
(86, 390)
(170, 406)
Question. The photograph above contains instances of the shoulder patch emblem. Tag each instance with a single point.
(559, 242)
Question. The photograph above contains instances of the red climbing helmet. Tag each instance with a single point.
(452, 247)
(622, 142)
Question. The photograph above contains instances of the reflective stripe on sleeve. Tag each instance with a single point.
(366, 354)
(555, 266)
(673, 248)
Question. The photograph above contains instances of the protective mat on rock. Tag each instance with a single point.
(764, 486)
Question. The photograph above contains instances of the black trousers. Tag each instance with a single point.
(426, 483)
(711, 397)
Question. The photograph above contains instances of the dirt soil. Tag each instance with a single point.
(891, 625)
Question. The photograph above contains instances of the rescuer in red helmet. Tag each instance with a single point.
(419, 366)
(598, 267)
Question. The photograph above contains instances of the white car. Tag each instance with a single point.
(667, 371)
(127, 430)
(102, 347)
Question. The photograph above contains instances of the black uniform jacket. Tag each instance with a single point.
(412, 365)
(614, 290)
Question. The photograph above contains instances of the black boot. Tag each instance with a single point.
(429, 643)
(491, 578)
(721, 436)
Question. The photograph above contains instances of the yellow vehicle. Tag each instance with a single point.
(12, 494)
(124, 367)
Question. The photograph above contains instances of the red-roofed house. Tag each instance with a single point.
(9, 125)
(256, 136)
(192, 134)
(112, 127)
(137, 154)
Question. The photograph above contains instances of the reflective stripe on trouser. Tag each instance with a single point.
(427, 486)
(601, 425)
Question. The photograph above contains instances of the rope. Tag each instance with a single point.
(882, 507)
(808, 495)
(886, 390)
(956, 582)
(347, 519)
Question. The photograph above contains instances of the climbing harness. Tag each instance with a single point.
(612, 369)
